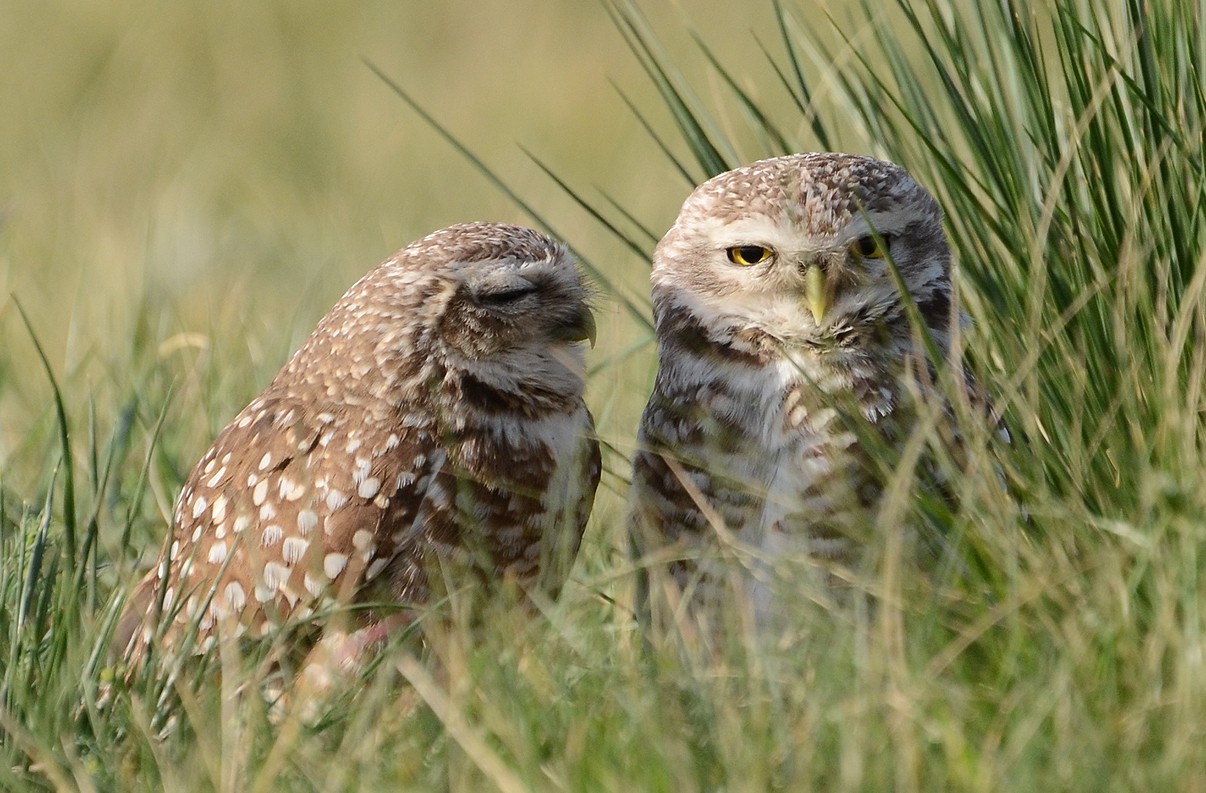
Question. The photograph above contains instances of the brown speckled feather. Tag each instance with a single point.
(436, 412)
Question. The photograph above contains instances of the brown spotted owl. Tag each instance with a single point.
(435, 415)
(787, 364)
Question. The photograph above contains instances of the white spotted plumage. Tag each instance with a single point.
(435, 413)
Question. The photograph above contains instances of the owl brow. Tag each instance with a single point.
(861, 225)
(894, 223)
(745, 242)
(535, 261)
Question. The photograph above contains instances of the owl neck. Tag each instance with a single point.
(681, 332)
(522, 385)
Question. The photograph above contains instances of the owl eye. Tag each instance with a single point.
(504, 294)
(870, 247)
(748, 254)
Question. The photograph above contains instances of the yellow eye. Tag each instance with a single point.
(870, 247)
(748, 254)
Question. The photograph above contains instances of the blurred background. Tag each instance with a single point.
(185, 188)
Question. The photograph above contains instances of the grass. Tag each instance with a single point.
(1063, 651)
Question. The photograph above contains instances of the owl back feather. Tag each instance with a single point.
(435, 414)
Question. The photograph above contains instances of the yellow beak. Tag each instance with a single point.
(580, 328)
(816, 293)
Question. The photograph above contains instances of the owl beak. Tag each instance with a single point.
(580, 328)
(817, 293)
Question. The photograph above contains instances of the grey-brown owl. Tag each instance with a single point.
(434, 415)
(784, 358)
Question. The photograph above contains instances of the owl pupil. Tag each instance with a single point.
(748, 254)
(870, 247)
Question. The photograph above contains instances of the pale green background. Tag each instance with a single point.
(187, 187)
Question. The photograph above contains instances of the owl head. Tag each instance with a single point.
(503, 302)
(502, 289)
(798, 251)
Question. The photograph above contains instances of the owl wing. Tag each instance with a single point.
(291, 505)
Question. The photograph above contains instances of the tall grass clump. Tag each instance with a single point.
(1059, 644)
(1065, 143)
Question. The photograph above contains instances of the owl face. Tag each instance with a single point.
(800, 249)
(500, 298)
(512, 304)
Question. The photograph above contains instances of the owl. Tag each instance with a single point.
(786, 361)
(433, 420)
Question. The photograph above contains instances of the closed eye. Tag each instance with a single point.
(510, 294)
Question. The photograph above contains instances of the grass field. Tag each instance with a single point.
(186, 189)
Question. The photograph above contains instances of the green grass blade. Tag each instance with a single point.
(69, 524)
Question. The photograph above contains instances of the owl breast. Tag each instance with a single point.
(773, 451)
(532, 487)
